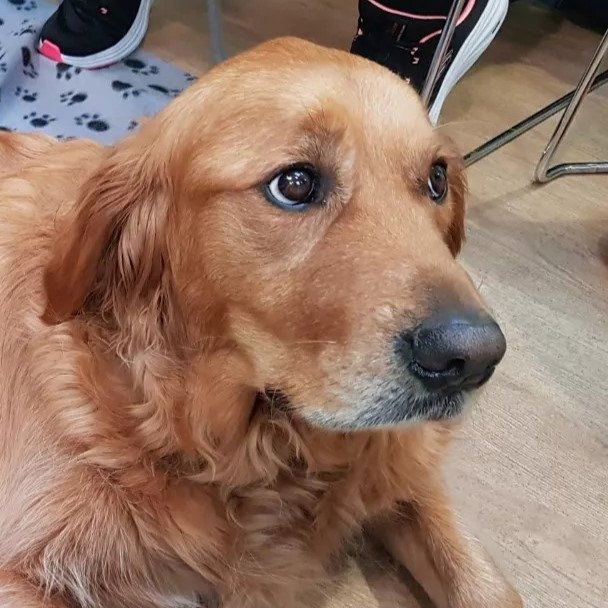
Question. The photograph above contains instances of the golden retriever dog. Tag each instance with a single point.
(235, 341)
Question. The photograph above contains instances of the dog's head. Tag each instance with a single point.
(295, 206)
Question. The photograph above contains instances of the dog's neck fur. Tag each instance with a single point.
(190, 413)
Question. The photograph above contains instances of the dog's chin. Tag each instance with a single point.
(389, 412)
(385, 410)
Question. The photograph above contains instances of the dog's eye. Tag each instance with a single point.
(294, 188)
(438, 182)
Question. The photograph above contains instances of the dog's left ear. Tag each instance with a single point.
(457, 177)
(456, 232)
(113, 254)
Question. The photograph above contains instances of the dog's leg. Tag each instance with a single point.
(453, 570)
(16, 592)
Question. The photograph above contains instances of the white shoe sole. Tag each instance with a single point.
(123, 48)
(473, 47)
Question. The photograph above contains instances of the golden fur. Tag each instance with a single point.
(150, 296)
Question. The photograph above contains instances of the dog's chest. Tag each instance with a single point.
(263, 545)
(261, 541)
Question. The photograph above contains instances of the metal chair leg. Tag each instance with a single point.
(442, 47)
(214, 18)
(571, 101)
(544, 173)
(529, 123)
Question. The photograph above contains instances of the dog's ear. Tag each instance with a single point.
(455, 236)
(458, 187)
(113, 253)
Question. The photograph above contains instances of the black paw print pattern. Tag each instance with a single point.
(137, 66)
(39, 120)
(94, 122)
(28, 65)
(3, 128)
(23, 5)
(26, 95)
(104, 105)
(127, 89)
(26, 28)
(66, 72)
(165, 90)
(71, 98)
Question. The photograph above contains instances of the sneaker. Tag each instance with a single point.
(405, 40)
(94, 33)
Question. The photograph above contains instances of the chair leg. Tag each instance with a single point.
(214, 18)
(544, 173)
(442, 47)
(525, 125)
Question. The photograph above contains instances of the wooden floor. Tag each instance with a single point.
(530, 473)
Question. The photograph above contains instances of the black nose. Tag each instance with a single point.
(457, 351)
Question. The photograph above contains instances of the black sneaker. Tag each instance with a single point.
(405, 40)
(94, 33)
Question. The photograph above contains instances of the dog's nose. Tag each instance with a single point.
(456, 351)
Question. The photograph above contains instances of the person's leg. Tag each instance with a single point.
(94, 33)
(403, 35)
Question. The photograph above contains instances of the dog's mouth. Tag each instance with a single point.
(275, 400)
(413, 407)
(392, 406)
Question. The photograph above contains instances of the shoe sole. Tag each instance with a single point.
(473, 47)
(123, 48)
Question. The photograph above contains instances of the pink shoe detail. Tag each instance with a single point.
(466, 11)
(387, 9)
(50, 50)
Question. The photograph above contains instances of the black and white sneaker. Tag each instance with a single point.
(94, 33)
(405, 40)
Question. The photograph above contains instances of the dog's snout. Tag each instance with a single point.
(454, 351)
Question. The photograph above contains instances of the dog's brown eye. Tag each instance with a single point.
(438, 182)
(294, 188)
